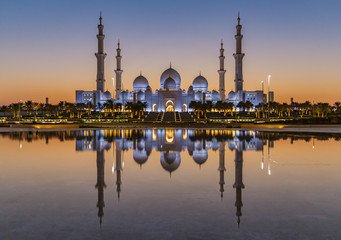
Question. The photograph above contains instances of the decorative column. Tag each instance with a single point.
(222, 72)
(118, 72)
(238, 56)
(100, 55)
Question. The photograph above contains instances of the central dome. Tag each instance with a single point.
(200, 83)
(169, 83)
(173, 74)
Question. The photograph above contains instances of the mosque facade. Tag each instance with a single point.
(170, 96)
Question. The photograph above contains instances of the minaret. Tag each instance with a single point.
(238, 184)
(100, 185)
(222, 168)
(222, 72)
(100, 57)
(118, 169)
(238, 56)
(118, 72)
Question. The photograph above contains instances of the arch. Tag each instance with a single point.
(184, 108)
(154, 108)
(169, 106)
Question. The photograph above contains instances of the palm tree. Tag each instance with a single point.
(337, 107)
(130, 107)
(307, 106)
(29, 107)
(248, 106)
(241, 105)
(89, 107)
(197, 106)
(219, 106)
(80, 107)
(258, 108)
(108, 106)
(326, 109)
(118, 107)
(36, 107)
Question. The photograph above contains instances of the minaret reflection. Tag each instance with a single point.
(222, 168)
(238, 184)
(100, 185)
(118, 169)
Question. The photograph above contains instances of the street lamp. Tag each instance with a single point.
(263, 99)
(269, 77)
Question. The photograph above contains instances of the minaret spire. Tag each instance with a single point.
(100, 55)
(118, 72)
(238, 56)
(222, 72)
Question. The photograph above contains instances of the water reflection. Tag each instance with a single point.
(169, 143)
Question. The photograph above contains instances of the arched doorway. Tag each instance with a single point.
(184, 108)
(169, 106)
(154, 109)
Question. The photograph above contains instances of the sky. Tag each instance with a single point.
(47, 47)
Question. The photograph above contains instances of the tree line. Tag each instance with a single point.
(226, 109)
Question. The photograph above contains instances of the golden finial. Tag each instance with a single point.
(100, 17)
(221, 43)
(238, 18)
(118, 43)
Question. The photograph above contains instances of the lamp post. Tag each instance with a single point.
(269, 77)
(263, 99)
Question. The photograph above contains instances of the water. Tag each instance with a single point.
(169, 184)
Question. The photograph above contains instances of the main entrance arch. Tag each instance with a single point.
(169, 105)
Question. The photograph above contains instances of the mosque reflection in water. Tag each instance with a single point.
(170, 142)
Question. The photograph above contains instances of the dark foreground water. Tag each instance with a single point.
(169, 184)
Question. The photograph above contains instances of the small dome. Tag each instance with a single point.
(170, 161)
(231, 95)
(215, 95)
(124, 95)
(149, 89)
(140, 83)
(200, 156)
(170, 73)
(200, 83)
(107, 94)
(140, 157)
(190, 89)
(169, 83)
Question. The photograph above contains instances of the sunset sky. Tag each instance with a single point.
(47, 47)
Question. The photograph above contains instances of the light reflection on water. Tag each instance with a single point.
(172, 148)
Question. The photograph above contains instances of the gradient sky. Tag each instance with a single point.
(47, 47)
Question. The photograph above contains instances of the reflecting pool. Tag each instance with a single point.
(169, 184)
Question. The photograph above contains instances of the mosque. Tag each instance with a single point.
(170, 97)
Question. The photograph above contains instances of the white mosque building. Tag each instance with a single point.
(170, 96)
